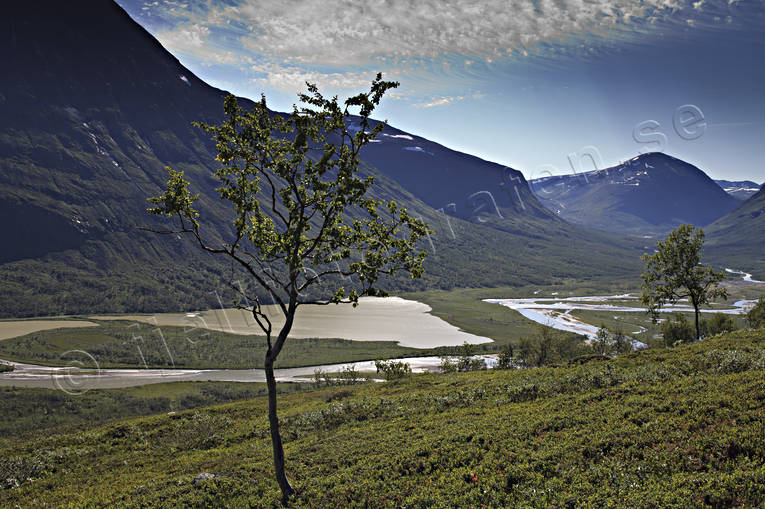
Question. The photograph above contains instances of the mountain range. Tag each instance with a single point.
(92, 110)
(741, 189)
(648, 195)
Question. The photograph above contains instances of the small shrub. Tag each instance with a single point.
(466, 361)
(471, 364)
(719, 323)
(393, 369)
(677, 330)
(15, 471)
(5, 368)
(201, 431)
(735, 361)
(37, 464)
(448, 365)
(506, 358)
(349, 375)
(549, 348)
(756, 316)
(611, 342)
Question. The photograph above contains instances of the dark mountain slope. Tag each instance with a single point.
(648, 195)
(92, 109)
(460, 184)
(737, 240)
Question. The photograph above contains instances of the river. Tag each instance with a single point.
(76, 380)
(555, 312)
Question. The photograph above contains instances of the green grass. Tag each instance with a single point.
(464, 308)
(25, 411)
(131, 344)
(679, 427)
(629, 323)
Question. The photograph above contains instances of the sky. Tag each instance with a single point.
(544, 86)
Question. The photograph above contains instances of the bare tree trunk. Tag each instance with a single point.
(276, 438)
(273, 418)
(698, 333)
(696, 316)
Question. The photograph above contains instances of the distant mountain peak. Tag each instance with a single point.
(648, 194)
(739, 189)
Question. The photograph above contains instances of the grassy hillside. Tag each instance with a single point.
(25, 412)
(677, 427)
(737, 240)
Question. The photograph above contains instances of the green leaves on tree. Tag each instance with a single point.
(674, 272)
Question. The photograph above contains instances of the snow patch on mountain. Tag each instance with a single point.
(418, 149)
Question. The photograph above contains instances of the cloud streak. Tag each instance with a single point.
(292, 78)
(441, 101)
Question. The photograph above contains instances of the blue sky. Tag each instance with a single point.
(533, 84)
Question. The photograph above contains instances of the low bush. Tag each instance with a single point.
(393, 370)
(610, 342)
(756, 316)
(548, 348)
(717, 324)
(677, 330)
(506, 358)
(200, 430)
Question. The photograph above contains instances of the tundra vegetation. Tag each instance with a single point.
(662, 427)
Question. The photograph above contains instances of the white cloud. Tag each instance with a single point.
(334, 42)
(348, 32)
(185, 38)
(292, 78)
(195, 40)
(441, 101)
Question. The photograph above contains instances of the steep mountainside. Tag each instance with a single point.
(648, 195)
(740, 189)
(92, 109)
(737, 240)
(460, 184)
